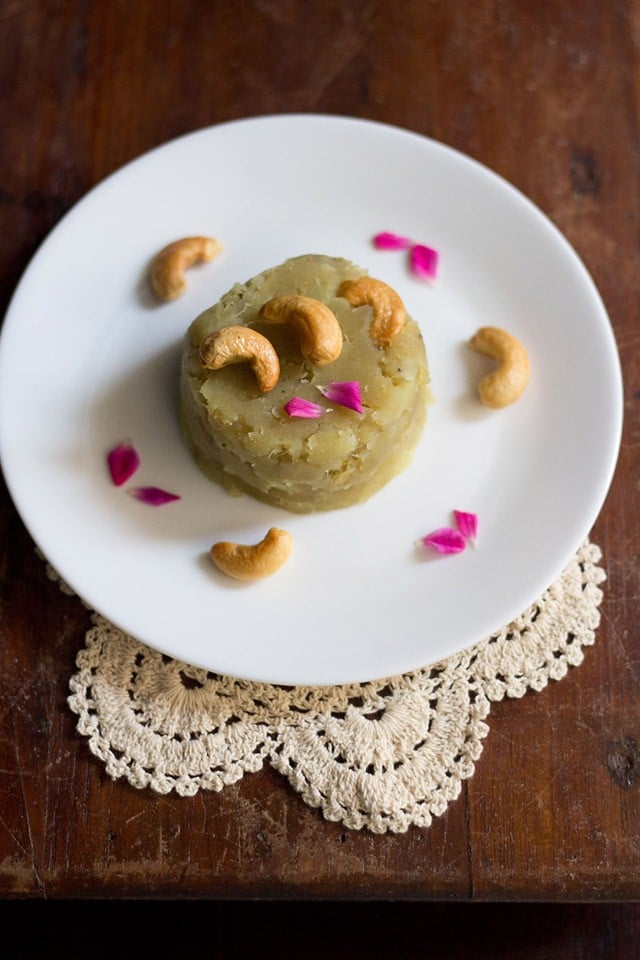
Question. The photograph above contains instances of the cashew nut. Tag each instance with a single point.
(317, 325)
(237, 344)
(504, 384)
(389, 314)
(252, 562)
(168, 266)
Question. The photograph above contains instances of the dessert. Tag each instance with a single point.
(232, 412)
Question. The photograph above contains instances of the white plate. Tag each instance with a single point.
(87, 359)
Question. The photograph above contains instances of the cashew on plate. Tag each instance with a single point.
(168, 266)
(253, 561)
(506, 383)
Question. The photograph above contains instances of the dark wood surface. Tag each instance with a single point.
(546, 94)
(318, 930)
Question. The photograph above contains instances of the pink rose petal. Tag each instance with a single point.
(297, 407)
(345, 393)
(445, 540)
(153, 496)
(424, 261)
(467, 524)
(391, 241)
(123, 461)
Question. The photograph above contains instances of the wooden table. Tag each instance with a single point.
(548, 95)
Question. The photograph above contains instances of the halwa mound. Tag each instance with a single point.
(241, 436)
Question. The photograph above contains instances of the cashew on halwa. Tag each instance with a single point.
(389, 314)
(238, 344)
(317, 325)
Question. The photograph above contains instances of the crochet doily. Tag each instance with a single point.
(379, 756)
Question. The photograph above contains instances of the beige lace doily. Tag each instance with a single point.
(378, 756)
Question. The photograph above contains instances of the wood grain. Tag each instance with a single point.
(548, 95)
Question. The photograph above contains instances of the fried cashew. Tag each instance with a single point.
(389, 314)
(168, 266)
(317, 326)
(504, 384)
(238, 344)
(255, 561)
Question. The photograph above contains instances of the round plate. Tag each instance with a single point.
(88, 359)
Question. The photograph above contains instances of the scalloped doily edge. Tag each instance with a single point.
(379, 756)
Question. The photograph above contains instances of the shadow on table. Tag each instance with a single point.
(323, 930)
